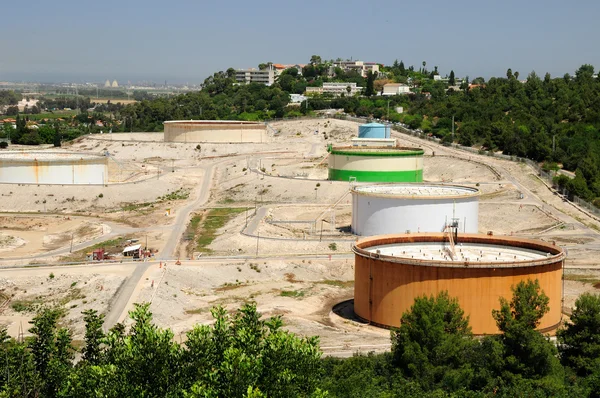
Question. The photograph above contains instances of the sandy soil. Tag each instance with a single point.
(72, 289)
(301, 291)
(23, 236)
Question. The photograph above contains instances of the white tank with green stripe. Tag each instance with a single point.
(376, 164)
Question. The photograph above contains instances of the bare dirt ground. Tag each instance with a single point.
(25, 235)
(302, 290)
(73, 290)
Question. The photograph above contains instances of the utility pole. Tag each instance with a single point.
(257, 240)
(452, 128)
(554, 143)
(388, 111)
(321, 236)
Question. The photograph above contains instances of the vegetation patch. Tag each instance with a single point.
(180, 194)
(230, 286)
(202, 229)
(111, 246)
(292, 293)
(583, 278)
(195, 311)
(336, 283)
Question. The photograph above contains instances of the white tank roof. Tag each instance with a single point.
(416, 191)
(29, 156)
(472, 252)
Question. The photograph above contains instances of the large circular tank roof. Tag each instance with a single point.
(416, 191)
(376, 151)
(204, 122)
(46, 156)
(470, 250)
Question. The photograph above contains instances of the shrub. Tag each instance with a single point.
(3, 144)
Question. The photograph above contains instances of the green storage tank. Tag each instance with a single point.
(375, 164)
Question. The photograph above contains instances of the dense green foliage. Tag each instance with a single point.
(237, 356)
(523, 119)
(433, 354)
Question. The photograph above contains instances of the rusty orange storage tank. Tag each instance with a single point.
(392, 270)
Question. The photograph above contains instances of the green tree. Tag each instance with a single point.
(451, 79)
(244, 351)
(434, 343)
(579, 340)
(370, 90)
(57, 136)
(315, 60)
(52, 352)
(521, 352)
(91, 352)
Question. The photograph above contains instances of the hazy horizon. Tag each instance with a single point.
(188, 41)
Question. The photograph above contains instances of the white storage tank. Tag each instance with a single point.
(227, 131)
(62, 168)
(410, 208)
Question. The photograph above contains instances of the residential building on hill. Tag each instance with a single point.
(359, 66)
(395, 89)
(246, 76)
(337, 89)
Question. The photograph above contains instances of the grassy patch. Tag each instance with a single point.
(230, 286)
(180, 194)
(195, 311)
(147, 207)
(26, 305)
(336, 283)
(292, 293)
(141, 207)
(110, 246)
(582, 278)
(204, 232)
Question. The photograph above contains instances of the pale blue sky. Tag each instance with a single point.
(185, 41)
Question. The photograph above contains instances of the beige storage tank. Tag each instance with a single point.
(392, 270)
(63, 168)
(226, 131)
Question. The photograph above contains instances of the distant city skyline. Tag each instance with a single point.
(186, 41)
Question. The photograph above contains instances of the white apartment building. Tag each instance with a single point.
(395, 89)
(359, 66)
(246, 76)
(337, 89)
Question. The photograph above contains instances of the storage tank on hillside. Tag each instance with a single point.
(404, 208)
(229, 131)
(392, 270)
(39, 167)
(375, 164)
(374, 130)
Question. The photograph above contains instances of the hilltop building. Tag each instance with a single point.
(252, 75)
(395, 89)
(337, 89)
(359, 66)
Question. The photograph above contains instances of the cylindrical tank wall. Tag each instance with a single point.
(384, 290)
(373, 130)
(374, 168)
(233, 132)
(373, 215)
(84, 172)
